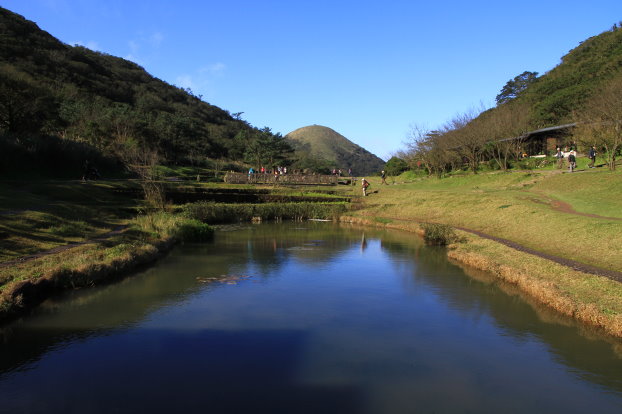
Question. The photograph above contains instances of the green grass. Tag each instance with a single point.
(513, 206)
(41, 215)
(210, 212)
(596, 192)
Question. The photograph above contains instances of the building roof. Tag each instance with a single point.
(538, 131)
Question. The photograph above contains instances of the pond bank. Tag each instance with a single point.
(26, 282)
(19, 296)
(590, 298)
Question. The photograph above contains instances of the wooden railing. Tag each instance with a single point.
(259, 178)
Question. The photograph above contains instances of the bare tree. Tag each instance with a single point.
(429, 149)
(467, 137)
(506, 126)
(600, 122)
(142, 161)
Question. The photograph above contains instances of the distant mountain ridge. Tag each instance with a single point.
(325, 143)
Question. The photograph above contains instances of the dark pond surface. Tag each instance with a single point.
(305, 318)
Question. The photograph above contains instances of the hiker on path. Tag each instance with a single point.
(560, 158)
(364, 185)
(592, 156)
(572, 160)
(384, 178)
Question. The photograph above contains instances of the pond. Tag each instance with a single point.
(305, 318)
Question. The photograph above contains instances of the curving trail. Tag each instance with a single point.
(573, 264)
(23, 259)
(564, 207)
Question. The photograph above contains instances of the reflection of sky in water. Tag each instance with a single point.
(323, 316)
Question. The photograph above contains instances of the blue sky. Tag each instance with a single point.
(367, 69)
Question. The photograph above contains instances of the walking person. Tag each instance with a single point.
(364, 185)
(572, 160)
(384, 178)
(592, 156)
(560, 158)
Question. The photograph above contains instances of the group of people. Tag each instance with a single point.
(339, 173)
(572, 158)
(276, 170)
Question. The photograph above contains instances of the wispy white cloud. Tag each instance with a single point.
(134, 46)
(202, 80)
(134, 59)
(185, 81)
(91, 45)
(141, 46)
(156, 39)
(215, 69)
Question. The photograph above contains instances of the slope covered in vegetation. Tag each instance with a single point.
(327, 144)
(60, 104)
(555, 95)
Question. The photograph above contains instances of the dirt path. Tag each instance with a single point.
(564, 207)
(23, 259)
(573, 264)
(582, 267)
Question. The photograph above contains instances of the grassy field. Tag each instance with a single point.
(517, 206)
(41, 215)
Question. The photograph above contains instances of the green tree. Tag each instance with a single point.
(267, 149)
(25, 107)
(395, 166)
(514, 87)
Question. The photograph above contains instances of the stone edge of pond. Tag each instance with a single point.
(19, 297)
(542, 292)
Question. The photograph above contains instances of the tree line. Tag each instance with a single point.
(584, 89)
(498, 135)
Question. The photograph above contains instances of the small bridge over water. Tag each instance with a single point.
(298, 179)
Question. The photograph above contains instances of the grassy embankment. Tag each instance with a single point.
(99, 230)
(95, 233)
(519, 206)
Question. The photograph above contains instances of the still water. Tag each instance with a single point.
(305, 318)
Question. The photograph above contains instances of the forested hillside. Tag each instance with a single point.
(60, 104)
(584, 90)
(554, 96)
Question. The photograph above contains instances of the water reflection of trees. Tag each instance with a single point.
(267, 248)
(314, 244)
(587, 352)
(108, 309)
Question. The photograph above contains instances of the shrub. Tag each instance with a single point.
(210, 212)
(438, 234)
(192, 230)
